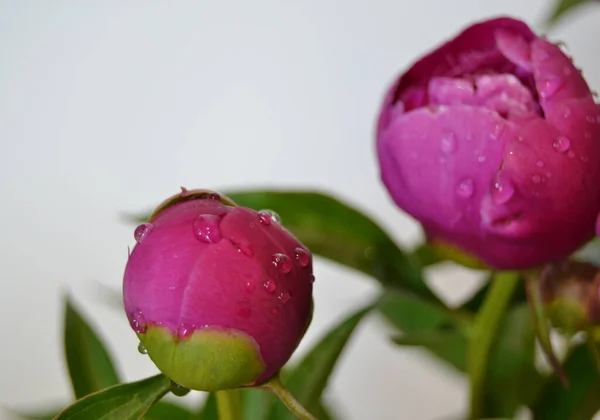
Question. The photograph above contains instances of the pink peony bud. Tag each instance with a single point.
(219, 295)
(492, 142)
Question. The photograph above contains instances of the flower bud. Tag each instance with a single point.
(219, 295)
(492, 142)
(570, 292)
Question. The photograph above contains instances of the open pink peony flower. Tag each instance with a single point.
(492, 142)
(219, 295)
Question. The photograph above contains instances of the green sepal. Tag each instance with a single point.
(211, 359)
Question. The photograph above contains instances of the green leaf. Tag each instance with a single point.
(88, 361)
(308, 379)
(447, 344)
(257, 403)
(120, 402)
(334, 230)
(411, 314)
(163, 410)
(580, 401)
(209, 410)
(563, 7)
(512, 379)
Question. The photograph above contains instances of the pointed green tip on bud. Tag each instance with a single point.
(210, 359)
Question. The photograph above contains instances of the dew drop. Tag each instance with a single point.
(539, 164)
(448, 144)
(537, 178)
(243, 246)
(571, 154)
(275, 310)
(274, 216)
(269, 286)
(549, 87)
(138, 321)
(302, 257)
(206, 228)
(562, 144)
(562, 46)
(312, 278)
(249, 287)
(185, 331)
(567, 112)
(214, 196)
(142, 231)
(465, 188)
(282, 262)
(264, 218)
(502, 191)
(591, 119)
(584, 159)
(481, 159)
(178, 390)
(142, 349)
(285, 297)
(496, 131)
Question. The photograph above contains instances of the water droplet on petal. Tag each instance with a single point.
(269, 286)
(185, 331)
(312, 278)
(302, 256)
(274, 216)
(142, 231)
(282, 262)
(465, 188)
(448, 144)
(264, 217)
(584, 159)
(275, 310)
(206, 228)
(539, 164)
(496, 131)
(591, 119)
(549, 87)
(571, 154)
(537, 178)
(481, 159)
(214, 196)
(567, 112)
(562, 144)
(178, 390)
(243, 246)
(284, 297)
(142, 349)
(562, 46)
(503, 190)
(138, 321)
(249, 287)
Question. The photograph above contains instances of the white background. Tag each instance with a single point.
(108, 107)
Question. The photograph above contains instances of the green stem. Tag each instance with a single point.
(484, 330)
(229, 405)
(276, 387)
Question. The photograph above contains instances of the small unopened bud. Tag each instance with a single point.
(570, 292)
